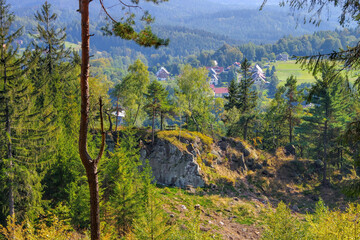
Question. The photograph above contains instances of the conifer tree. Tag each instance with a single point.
(155, 102)
(232, 98)
(125, 30)
(293, 105)
(247, 98)
(328, 96)
(20, 142)
(275, 120)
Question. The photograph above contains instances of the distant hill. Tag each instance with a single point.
(238, 20)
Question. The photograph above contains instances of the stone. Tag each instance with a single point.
(295, 208)
(221, 223)
(258, 166)
(190, 189)
(183, 207)
(205, 229)
(172, 215)
(223, 145)
(173, 167)
(290, 150)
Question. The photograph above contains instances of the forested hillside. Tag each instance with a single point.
(213, 135)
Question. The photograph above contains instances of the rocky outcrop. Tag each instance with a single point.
(173, 167)
(180, 163)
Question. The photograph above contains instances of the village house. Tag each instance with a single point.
(282, 57)
(258, 75)
(162, 74)
(219, 92)
(214, 73)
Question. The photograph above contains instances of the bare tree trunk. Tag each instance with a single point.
(137, 112)
(117, 114)
(245, 129)
(89, 163)
(110, 122)
(161, 121)
(290, 130)
(324, 182)
(153, 128)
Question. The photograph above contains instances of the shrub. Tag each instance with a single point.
(281, 225)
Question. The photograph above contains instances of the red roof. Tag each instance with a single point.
(221, 90)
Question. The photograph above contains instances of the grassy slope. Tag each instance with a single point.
(286, 69)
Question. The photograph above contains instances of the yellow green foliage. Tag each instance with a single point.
(26, 231)
(282, 225)
(177, 138)
(322, 225)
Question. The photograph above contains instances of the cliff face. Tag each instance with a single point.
(173, 167)
(194, 159)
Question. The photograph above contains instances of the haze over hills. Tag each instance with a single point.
(238, 20)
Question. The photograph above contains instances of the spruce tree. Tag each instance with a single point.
(247, 98)
(20, 141)
(293, 105)
(328, 96)
(155, 102)
(232, 98)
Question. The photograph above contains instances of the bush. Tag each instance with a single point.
(281, 225)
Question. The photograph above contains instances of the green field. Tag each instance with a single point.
(72, 45)
(286, 69)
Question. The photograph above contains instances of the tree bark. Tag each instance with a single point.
(110, 122)
(153, 127)
(117, 114)
(161, 121)
(324, 182)
(137, 112)
(245, 129)
(89, 163)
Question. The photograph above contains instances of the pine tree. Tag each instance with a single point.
(247, 98)
(275, 120)
(232, 98)
(152, 224)
(293, 105)
(155, 102)
(328, 97)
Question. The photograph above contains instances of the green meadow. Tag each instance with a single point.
(286, 69)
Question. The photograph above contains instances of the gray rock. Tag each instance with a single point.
(173, 167)
(258, 166)
(290, 150)
(295, 208)
(223, 145)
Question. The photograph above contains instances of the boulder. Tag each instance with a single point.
(173, 167)
(290, 150)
